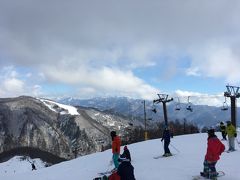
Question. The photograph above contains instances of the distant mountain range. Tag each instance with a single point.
(201, 115)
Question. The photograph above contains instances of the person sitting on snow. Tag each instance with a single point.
(125, 169)
(126, 153)
(214, 149)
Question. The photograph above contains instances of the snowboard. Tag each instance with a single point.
(105, 173)
(161, 156)
(199, 177)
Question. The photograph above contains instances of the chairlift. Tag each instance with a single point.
(154, 109)
(189, 107)
(177, 106)
(225, 106)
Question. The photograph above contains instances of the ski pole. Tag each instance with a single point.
(237, 142)
(163, 147)
(175, 148)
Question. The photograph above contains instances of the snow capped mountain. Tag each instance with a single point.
(201, 115)
(188, 150)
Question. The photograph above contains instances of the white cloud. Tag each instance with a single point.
(13, 85)
(217, 61)
(106, 80)
(193, 71)
(199, 98)
(97, 45)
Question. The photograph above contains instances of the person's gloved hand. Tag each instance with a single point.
(161, 139)
(235, 135)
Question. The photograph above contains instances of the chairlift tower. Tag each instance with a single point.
(163, 98)
(233, 93)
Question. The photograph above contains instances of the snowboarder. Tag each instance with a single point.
(232, 133)
(116, 144)
(223, 131)
(125, 169)
(126, 153)
(214, 149)
(166, 137)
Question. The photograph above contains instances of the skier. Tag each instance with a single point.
(232, 133)
(125, 169)
(126, 153)
(116, 144)
(214, 149)
(166, 137)
(223, 130)
(33, 166)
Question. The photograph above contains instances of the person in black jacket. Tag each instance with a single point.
(223, 130)
(166, 137)
(125, 169)
(126, 153)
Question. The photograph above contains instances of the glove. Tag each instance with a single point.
(235, 135)
(161, 139)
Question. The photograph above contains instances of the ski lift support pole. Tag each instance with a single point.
(233, 93)
(145, 120)
(163, 98)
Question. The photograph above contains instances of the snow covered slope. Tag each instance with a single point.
(20, 164)
(189, 153)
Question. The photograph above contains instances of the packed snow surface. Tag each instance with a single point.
(188, 150)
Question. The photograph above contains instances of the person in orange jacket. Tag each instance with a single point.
(116, 144)
(214, 149)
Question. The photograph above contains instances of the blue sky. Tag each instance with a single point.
(134, 48)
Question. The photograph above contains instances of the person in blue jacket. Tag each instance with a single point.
(166, 137)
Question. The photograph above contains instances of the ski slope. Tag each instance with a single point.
(189, 153)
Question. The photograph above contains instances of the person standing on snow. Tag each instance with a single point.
(116, 144)
(33, 166)
(166, 137)
(214, 149)
(232, 133)
(223, 131)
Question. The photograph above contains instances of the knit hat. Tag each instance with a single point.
(113, 133)
(211, 132)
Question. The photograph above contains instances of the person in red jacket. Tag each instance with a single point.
(116, 144)
(214, 149)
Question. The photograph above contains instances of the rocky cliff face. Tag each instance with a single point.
(42, 124)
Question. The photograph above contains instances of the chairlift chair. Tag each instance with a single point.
(224, 107)
(177, 106)
(189, 107)
(154, 108)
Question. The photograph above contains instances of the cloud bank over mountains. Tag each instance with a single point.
(88, 48)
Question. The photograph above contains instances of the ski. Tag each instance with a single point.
(199, 177)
